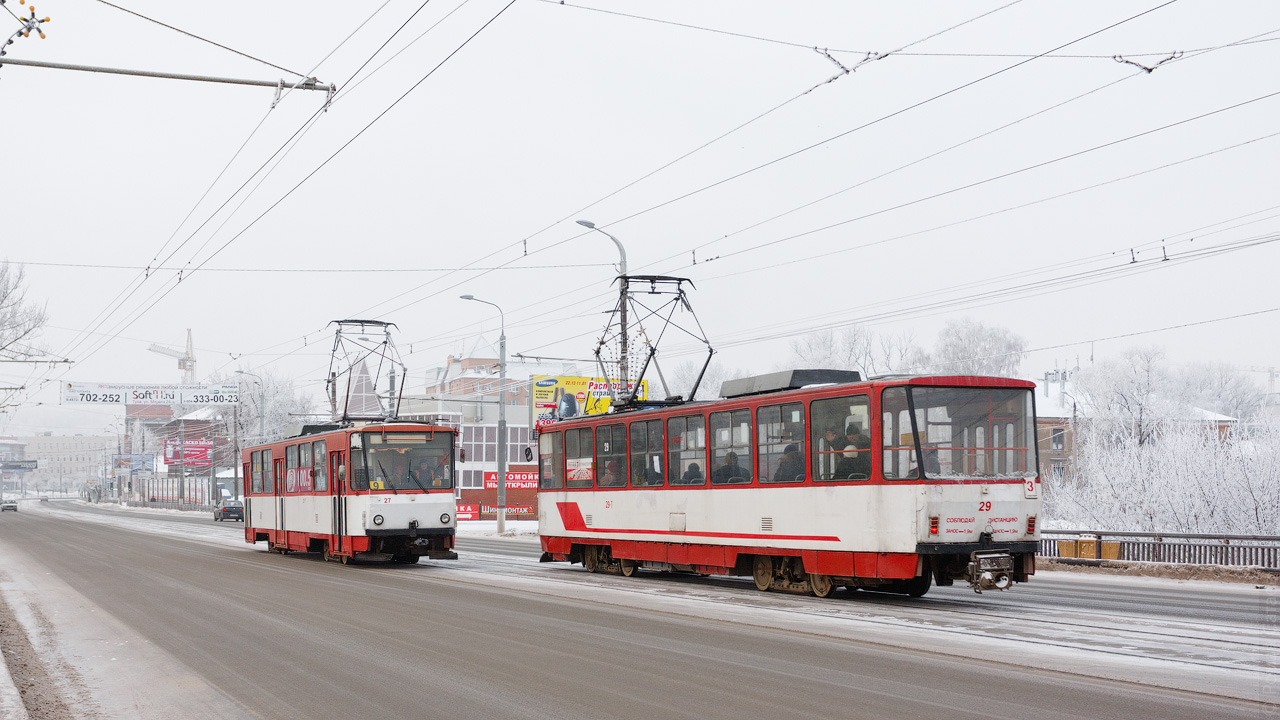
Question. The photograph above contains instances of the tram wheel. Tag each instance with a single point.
(821, 585)
(591, 558)
(344, 559)
(628, 567)
(918, 586)
(762, 572)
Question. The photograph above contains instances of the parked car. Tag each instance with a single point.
(229, 510)
(44, 498)
(9, 505)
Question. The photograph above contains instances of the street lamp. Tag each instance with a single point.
(622, 305)
(502, 414)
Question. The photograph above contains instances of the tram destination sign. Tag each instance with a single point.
(124, 394)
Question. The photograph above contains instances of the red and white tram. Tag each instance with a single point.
(372, 492)
(806, 480)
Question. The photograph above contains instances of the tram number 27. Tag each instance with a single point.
(984, 506)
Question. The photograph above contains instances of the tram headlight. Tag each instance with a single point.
(444, 518)
(377, 519)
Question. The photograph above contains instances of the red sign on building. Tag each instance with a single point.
(191, 453)
(515, 481)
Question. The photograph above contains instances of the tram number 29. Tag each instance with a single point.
(984, 506)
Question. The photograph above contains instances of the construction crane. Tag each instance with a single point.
(186, 360)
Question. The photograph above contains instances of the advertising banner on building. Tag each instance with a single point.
(128, 394)
(18, 465)
(192, 453)
(468, 512)
(515, 481)
(558, 397)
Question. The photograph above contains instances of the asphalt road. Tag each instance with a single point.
(1201, 603)
(297, 637)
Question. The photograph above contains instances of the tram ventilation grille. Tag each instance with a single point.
(766, 524)
(587, 519)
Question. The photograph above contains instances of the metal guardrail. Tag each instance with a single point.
(170, 505)
(1178, 548)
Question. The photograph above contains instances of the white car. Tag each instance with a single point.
(9, 505)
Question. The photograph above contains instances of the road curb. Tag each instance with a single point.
(11, 707)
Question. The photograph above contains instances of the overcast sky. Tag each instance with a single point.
(970, 169)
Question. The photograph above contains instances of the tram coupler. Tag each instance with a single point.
(989, 570)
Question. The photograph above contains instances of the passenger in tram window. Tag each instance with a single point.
(835, 441)
(611, 476)
(692, 475)
(791, 467)
(856, 462)
(931, 464)
(730, 472)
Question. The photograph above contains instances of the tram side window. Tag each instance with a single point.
(687, 443)
(897, 436)
(255, 468)
(268, 473)
(551, 454)
(579, 460)
(319, 470)
(731, 447)
(304, 467)
(841, 444)
(646, 453)
(780, 443)
(611, 455)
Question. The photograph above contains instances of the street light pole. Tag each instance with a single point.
(262, 402)
(622, 311)
(502, 414)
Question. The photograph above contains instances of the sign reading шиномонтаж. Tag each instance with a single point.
(125, 394)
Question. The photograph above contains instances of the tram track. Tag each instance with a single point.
(1128, 636)
(603, 613)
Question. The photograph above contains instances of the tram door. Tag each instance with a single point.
(339, 507)
(281, 538)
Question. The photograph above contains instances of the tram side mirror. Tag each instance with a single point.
(462, 455)
(342, 473)
(528, 454)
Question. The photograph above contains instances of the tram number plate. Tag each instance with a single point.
(1030, 487)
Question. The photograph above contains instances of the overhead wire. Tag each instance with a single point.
(201, 39)
(523, 241)
(1135, 74)
(112, 306)
(311, 174)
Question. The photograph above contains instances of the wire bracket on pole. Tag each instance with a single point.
(29, 25)
(279, 91)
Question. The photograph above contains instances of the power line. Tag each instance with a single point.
(201, 39)
(344, 146)
(524, 241)
(311, 270)
(812, 46)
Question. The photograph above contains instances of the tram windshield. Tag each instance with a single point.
(401, 461)
(958, 433)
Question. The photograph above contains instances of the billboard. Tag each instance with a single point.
(18, 465)
(558, 397)
(128, 394)
(192, 453)
(123, 465)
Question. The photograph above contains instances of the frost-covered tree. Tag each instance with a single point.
(20, 319)
(684, 375)
(1220, 388)
(1189, 477)
(1132, 396)
(970, 347)
(857, 348)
